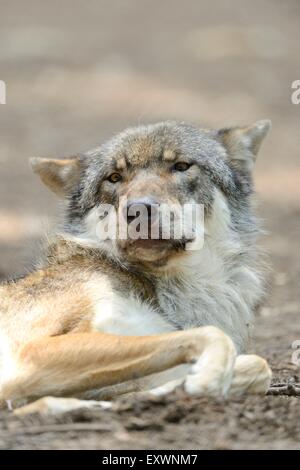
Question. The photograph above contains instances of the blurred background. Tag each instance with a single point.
(78, 71)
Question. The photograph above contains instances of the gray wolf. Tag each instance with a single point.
(102, 317)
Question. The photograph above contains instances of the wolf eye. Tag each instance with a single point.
(114, 178)
(181, 166)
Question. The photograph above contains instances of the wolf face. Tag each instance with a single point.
(167, 164)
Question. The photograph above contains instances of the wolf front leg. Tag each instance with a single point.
(70, 364)
(252, 375)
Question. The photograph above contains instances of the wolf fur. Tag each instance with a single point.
(116, 287)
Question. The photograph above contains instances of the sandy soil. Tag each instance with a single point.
(77, 72)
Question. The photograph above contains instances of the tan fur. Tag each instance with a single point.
(58, 175)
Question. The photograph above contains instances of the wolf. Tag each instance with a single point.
(100, 317)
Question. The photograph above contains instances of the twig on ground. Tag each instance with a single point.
(290, 389)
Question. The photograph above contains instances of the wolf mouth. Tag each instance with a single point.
(159, 244)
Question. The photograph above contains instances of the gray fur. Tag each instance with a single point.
(224, 282)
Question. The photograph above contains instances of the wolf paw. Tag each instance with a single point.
(212, 373)
(252, 375)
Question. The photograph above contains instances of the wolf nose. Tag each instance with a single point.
(142, 208)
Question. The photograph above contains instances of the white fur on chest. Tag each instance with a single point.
(128, 316)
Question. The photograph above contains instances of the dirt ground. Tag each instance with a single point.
(78, 71)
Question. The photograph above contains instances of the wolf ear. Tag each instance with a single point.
(58, 175)
(243, 143)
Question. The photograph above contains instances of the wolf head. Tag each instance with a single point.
(168, 164)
